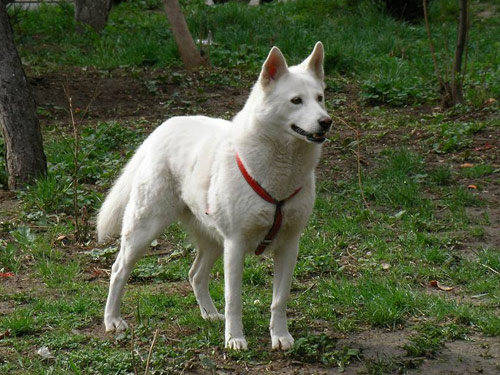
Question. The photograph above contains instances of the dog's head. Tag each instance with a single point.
(293, 97)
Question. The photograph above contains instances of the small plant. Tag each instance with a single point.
(322, 349)
(430, 339)
(441, 176)
(395, 92)
(10, 257)
(454, 136)
(102, 254)
(478, 171)
(19, 323)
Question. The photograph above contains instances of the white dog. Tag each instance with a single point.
(239, 186)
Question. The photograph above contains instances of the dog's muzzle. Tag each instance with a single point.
(319, 137)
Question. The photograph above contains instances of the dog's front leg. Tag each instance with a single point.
(284, 263)
(234, 257)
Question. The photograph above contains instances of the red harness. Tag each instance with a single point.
(278, 215)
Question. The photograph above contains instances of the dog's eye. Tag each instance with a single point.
(320, 98)
(296, 100)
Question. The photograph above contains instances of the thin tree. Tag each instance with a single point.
(190, 56)
(25, 159)
(451, 87)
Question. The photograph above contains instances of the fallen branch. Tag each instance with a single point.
(132, 348)
(491, 269)
(150, 352)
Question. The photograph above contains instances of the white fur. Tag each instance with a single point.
(186, 170)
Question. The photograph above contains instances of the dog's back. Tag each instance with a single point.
(180, 148)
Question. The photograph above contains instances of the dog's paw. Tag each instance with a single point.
(239, 343)
(212, 316)
(284, 342)
(115, 324)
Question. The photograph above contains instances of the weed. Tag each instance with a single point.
(21, 322)
(431, 338)
(102, 254)
(11, 257)
(56, 274)
(322, 349)
(478, 171)
(390, 366)
(441, 176)
(454, 136)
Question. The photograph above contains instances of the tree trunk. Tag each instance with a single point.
(187, 49)
(93, 13)
(456, 79)
(24, 155)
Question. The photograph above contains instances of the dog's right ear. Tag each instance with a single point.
(274, 67)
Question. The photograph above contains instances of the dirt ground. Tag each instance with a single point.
(126, 98)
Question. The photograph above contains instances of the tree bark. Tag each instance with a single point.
(456, 79)
(190, 56)
(25, 159)
(93, 13)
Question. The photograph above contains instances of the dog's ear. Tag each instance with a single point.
(315, 61)
(274, 67)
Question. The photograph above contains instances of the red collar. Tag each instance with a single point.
(261, 192)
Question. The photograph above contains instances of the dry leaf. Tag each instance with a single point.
(466, 165)
(44, 352)
(5, 334)
(438, 285)
(61, 237)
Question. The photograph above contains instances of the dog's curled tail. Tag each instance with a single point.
(110, 217)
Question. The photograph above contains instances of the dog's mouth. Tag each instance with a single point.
(312, 137)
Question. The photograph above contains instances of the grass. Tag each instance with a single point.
(360, 268)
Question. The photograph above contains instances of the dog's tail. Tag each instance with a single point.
(110, 217)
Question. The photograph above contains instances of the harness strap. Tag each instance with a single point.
(261, 192)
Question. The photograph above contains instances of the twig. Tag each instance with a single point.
(309, 288)
(132, 349)
(150, 352)
(76, 166)
(76, 153)
(491, 269)
(358, 156)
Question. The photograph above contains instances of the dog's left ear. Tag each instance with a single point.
(315, 61)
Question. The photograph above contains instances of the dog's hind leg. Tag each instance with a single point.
(284, 263)
(199, 274)
(142, 223)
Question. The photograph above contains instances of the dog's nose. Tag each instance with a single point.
(325, 122)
